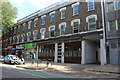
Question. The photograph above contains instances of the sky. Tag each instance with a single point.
(26, 7)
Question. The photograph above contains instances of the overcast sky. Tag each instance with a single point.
(26, 7)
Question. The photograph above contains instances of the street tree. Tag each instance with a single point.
(7, 14)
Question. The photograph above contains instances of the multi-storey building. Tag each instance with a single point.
(112, 14)
(67, 32)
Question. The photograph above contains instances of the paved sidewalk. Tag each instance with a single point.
(69, 67)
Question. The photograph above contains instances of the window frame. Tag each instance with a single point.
(42, 18)
(35, 22)
(53, 26)
(42, 33)
(35, 35)
(23, 38)
(29, 36)
(88, 6)
(87, 21)
(63, 23)
(52, 19)
(72, 24)
(75, 4)
(29, 24)
(18, 38)
(61, 13)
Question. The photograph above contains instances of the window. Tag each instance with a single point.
(43, 19)
(14, 39)
(42, 33)
(62, 11)
(24, 26)
(112, 25)
(75, 25)
(14, 30)
(23, 38)
(91, 5)
(91, 20)
(18, 38)
(52, 31)
(28, 36)
(19, 28)
(75, 8)
(111, 6)
(52, 16)
(117, 5)
(10, 40)
(35, 22)
(29, 24)
(35, 35)
(62, 27)
(118, 24)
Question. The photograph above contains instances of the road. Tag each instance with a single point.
(11, 72)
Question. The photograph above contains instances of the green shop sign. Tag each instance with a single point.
(30, 45)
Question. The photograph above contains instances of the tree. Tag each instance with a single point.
(7, 14)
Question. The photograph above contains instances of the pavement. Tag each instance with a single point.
(71, 68)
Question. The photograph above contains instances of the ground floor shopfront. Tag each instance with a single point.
(87, 49)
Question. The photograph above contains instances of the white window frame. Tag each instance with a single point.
(29, 24)
(72, 24)
(14, 39)
(91, 16)
(35, 22)
(42, 32)
(18, 38)
(10, 40)
(50, 15)
(63, 23)
(24, 27)
(77, 3)
(42, 18)
(15, 30)
(88, 5)
(50, 30)
(64, 8)
(19, 28)
(27, 36)
(22, 37)
(35, 37)
(114, 6)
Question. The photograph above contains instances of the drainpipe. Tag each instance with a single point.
(104, 31)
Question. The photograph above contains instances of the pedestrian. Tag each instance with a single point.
(33, 57)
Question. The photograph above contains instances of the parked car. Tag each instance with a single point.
(1, 58)
(13, 59)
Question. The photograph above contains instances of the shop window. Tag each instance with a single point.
(52, 31)
(35, 22)
(110, 6)
(62, 11)
(43, 18)
(52, 16)
(75, 8)
(112, 25)
(90, 5)
(62, 27)
(42, 33)
(75, 25)
(35, 35)
(29, 24)
(91, 20)
(28, 36)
